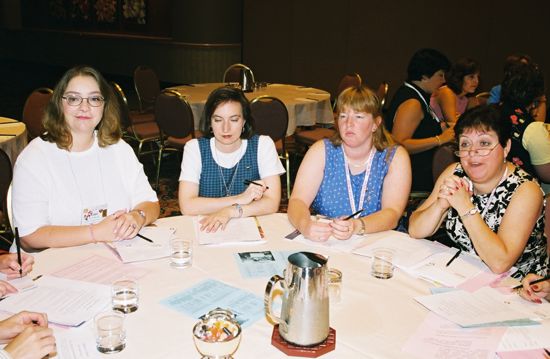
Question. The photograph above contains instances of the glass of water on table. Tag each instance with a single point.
(125, 296)
(181, 253)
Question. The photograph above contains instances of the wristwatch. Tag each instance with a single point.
(471, 212)
(362, 230)
(141, 214)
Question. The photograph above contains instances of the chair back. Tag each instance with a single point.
(270, 117)
(233, 73)
(5, 180)
(33, 111)
(147, 86)
(349, 80)
(483, 97)
(443, 157)
(382, 93)
(174, 115)
(123, 106)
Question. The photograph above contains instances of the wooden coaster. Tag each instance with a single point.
(299, 351)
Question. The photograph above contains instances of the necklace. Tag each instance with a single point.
(351, 197)
(232, 179)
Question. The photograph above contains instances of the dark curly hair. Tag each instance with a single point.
(460, 69)
(522, 84)
(220, 96)
(426, 62)
(485, 118)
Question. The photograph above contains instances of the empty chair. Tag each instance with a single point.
(147, 87)
(175, 120)
(137, 126)
(5, 180)
(33, 111)
(233, 73)
(271, 119)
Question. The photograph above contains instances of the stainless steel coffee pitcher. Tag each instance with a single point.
(305, 309)
(247, 80)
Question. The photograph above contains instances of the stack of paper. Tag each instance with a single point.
(237, 231)
(138, 249)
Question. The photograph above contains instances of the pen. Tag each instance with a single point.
(18, 245)
(453, 258)
(252, 182)
(533, 282)
(353, 215)
(260, 229)
(147, 239)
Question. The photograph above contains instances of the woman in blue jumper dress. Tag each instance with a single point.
(358, 169)
(215, 167)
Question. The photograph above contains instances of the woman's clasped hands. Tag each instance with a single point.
(118, 226)
(219, 219)
(323, 228)
(28, 335)
(455, 192)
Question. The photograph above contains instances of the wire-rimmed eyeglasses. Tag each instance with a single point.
(475, 151)
(75, 100)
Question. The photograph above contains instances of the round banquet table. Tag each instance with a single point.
(13, 137)
(373, 319)
(306, 106)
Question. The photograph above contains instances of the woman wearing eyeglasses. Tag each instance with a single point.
(79, 182)
(490, 207)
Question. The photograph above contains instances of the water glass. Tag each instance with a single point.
(181, 253)
(125, 296)
(110, 333)
(382, 263)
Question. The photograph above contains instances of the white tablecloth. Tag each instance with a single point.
(13, 137)
(306, 106)
(373, 320)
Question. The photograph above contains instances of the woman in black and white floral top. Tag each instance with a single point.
(491, 207)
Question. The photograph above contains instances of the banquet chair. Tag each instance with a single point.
(443, 157)
(271, 119)
(33, 111)
(233, 73)
(483, 97)
(349, 80)
(147, 85)
(177, 125)
(382, 93)
(5, 180)
(136, 126)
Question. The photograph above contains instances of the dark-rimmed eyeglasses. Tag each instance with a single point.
(476, 152)
(75, 100)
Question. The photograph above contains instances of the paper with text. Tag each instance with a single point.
(237, 231)
(138, 249)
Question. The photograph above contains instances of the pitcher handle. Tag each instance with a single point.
(268, 300)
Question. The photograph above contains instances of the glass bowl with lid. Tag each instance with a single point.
(217, 334)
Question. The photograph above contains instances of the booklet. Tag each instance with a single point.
(237, 231)
(262, 263)
(138, 249)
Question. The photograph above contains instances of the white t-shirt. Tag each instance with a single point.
(268, 159)
(52, 186)
(536, 140)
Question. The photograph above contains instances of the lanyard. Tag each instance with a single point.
(428, 107)
(351, 197)
(484, 211)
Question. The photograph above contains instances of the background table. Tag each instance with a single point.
(306, 106)
(13, 137)
(374, 318)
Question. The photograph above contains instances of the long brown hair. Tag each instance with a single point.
(108, 129)
(363, 99)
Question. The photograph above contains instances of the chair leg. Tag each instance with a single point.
(158, 167)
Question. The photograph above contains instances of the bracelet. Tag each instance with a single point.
(438, 140)
(92, 233)
(239, 209)
(470, 212)
(363, 227)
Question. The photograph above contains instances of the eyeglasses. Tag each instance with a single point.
(75, 100)
(476, 152)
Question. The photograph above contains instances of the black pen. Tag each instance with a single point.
(533, 282)
(18, 245)
(256, 183)
(453, 258)
(353, 215)
(147, 239)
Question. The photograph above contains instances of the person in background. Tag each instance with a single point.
(358, 169)
(522, 101)
(80, 183)
(216, 169)
(511, 60)
(490, 207)
(411, 120)
(27, 336)
(451, 100)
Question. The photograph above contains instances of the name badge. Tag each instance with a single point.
(94, 215)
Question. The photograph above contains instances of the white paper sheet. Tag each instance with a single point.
(237, 231)
(76, 343)
(67, 302)
(138, 249)
(347, 245)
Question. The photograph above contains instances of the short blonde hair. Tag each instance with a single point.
(363, 99)
(108, 129)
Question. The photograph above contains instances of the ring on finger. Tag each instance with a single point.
(134, 226)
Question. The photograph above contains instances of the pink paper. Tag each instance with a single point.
(522, 354)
